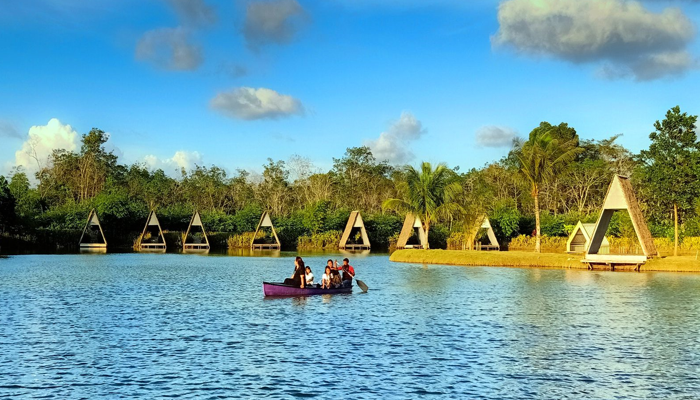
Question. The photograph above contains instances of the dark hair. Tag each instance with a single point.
(300, 261)
(329, 261)
(309, 268)
(345, 259)
(327, 269)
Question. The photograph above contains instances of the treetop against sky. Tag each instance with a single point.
(184, 82)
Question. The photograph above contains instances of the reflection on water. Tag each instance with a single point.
(161, 325)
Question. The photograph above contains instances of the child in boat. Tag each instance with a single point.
(335, 274)
(326, 279)
(309, 277)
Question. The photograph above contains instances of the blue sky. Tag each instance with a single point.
(451, 81)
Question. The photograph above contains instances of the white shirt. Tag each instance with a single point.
(310, 278)
(325, 278)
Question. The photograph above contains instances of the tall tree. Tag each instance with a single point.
(669, 168)
(541, 157)
(428, 193)
(7, 206)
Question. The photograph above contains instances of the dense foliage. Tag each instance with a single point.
(553, 171)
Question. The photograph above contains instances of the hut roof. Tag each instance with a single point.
(195, 221)
(620, 196)
(409, 224)
(355, 221)
(265, 222)
(93, 220)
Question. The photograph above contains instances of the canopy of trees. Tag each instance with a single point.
(545, 184)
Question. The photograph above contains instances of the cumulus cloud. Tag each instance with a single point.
(9, 130)
(393, 144)
(251, 104)
(272, 22)
(169, 48)
(41, 141)
(629, 39)
(173, 165)
(194, 12)
(495, 136)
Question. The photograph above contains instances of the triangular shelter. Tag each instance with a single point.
(355, 224)
(580, 238)
(196, 221)
(90, 239)
(493, 241)
(159, 242)
(620, 196)
(412, 224)
(265, 222)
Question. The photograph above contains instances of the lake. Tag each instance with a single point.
(174, 325)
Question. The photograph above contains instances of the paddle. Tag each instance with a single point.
(359, 282)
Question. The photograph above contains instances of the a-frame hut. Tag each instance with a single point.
(196, 243)
(493, 241)
(260, 243)
(412, 224)
(152, 236)
(354, 226)
(580, 238)
(620, 197)
(93, 237)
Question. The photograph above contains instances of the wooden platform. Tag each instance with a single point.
(265, 246)
(613, 262)
(356, 247)
(93, 245)
(153, 247)
(196, 246)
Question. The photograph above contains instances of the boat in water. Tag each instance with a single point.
(280, 289)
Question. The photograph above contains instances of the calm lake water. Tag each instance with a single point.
(172, 325)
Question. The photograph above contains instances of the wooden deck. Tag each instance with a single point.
(265, 246)
(356, 247)
(612, 261)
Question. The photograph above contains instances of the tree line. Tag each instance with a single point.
(543, 186)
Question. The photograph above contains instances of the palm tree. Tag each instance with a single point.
(428, 193)
(541, 158)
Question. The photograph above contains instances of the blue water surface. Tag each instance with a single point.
(188, 326)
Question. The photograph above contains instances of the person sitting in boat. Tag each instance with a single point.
(298, 278)
(348, 273)
(326, 279)
(336, 281)
(309, 277)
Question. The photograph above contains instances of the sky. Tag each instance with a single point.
(231, 83)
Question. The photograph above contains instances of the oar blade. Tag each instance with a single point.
(362, 285)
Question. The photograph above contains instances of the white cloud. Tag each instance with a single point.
(194, 12)
(628, 38)
(251, 104)
(40, 143)
(495, 136)
(272, 22)
(172, 166)
(169, 48)
(393, 144)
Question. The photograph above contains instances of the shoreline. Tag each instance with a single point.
(526, 259)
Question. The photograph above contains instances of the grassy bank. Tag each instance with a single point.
(529, 259)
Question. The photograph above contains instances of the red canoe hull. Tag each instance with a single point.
(280, 289)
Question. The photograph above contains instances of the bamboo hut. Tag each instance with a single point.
(93, 238)
(412, 234)
(261, 243)
(620, 197)
(475, 244)
(152, 238)
(195, 243)
(580, 238)
(353, 228)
